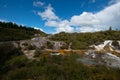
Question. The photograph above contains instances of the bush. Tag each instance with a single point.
(31, 47)
(57, 68)
(17, 62)
(8, 50)
(116, 44)
(38, 52)
(25, 44)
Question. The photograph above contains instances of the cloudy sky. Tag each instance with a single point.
(53, 16)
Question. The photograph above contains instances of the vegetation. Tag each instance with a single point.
(49, 45)
(83, 40)
(116, 44)
(38, 52)
(31, 47)
(14, 65)
(56, 68)
(11, 31)
(7, 51)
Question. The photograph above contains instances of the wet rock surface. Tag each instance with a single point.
(91, 57)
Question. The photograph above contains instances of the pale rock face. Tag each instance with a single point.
(15, 44)
(106, 57)
(111, 49)
(111, 60)
(118, 42)
(101, 46)
(90, 53)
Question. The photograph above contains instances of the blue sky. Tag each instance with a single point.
(53, 16)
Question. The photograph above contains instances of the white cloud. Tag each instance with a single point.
(53, 20)
(51, 23)
(110, 16)
(38, 3)
(90, 28)
(89, 22)
(84, 19)
(48, 14)
(39, 29)
(64, 26)
(60, 26)
(85, 22)
(2, 20)
(113, 1)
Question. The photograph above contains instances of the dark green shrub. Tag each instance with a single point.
(49, 45)
(38, 52)
(31, 47)
(8, 50)
(116, 44)
(25, 44)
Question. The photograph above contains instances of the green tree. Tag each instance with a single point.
(110, 28)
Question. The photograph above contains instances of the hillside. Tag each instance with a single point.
(83, 40)
(11, 32)
(35, 63)
(62, 56)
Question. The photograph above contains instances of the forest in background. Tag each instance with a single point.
(84, 40)
(11, 32)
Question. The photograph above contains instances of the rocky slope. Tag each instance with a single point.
(29, 47)
(106, 53)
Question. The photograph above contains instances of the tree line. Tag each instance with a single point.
(10, 31)
(83, 40)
